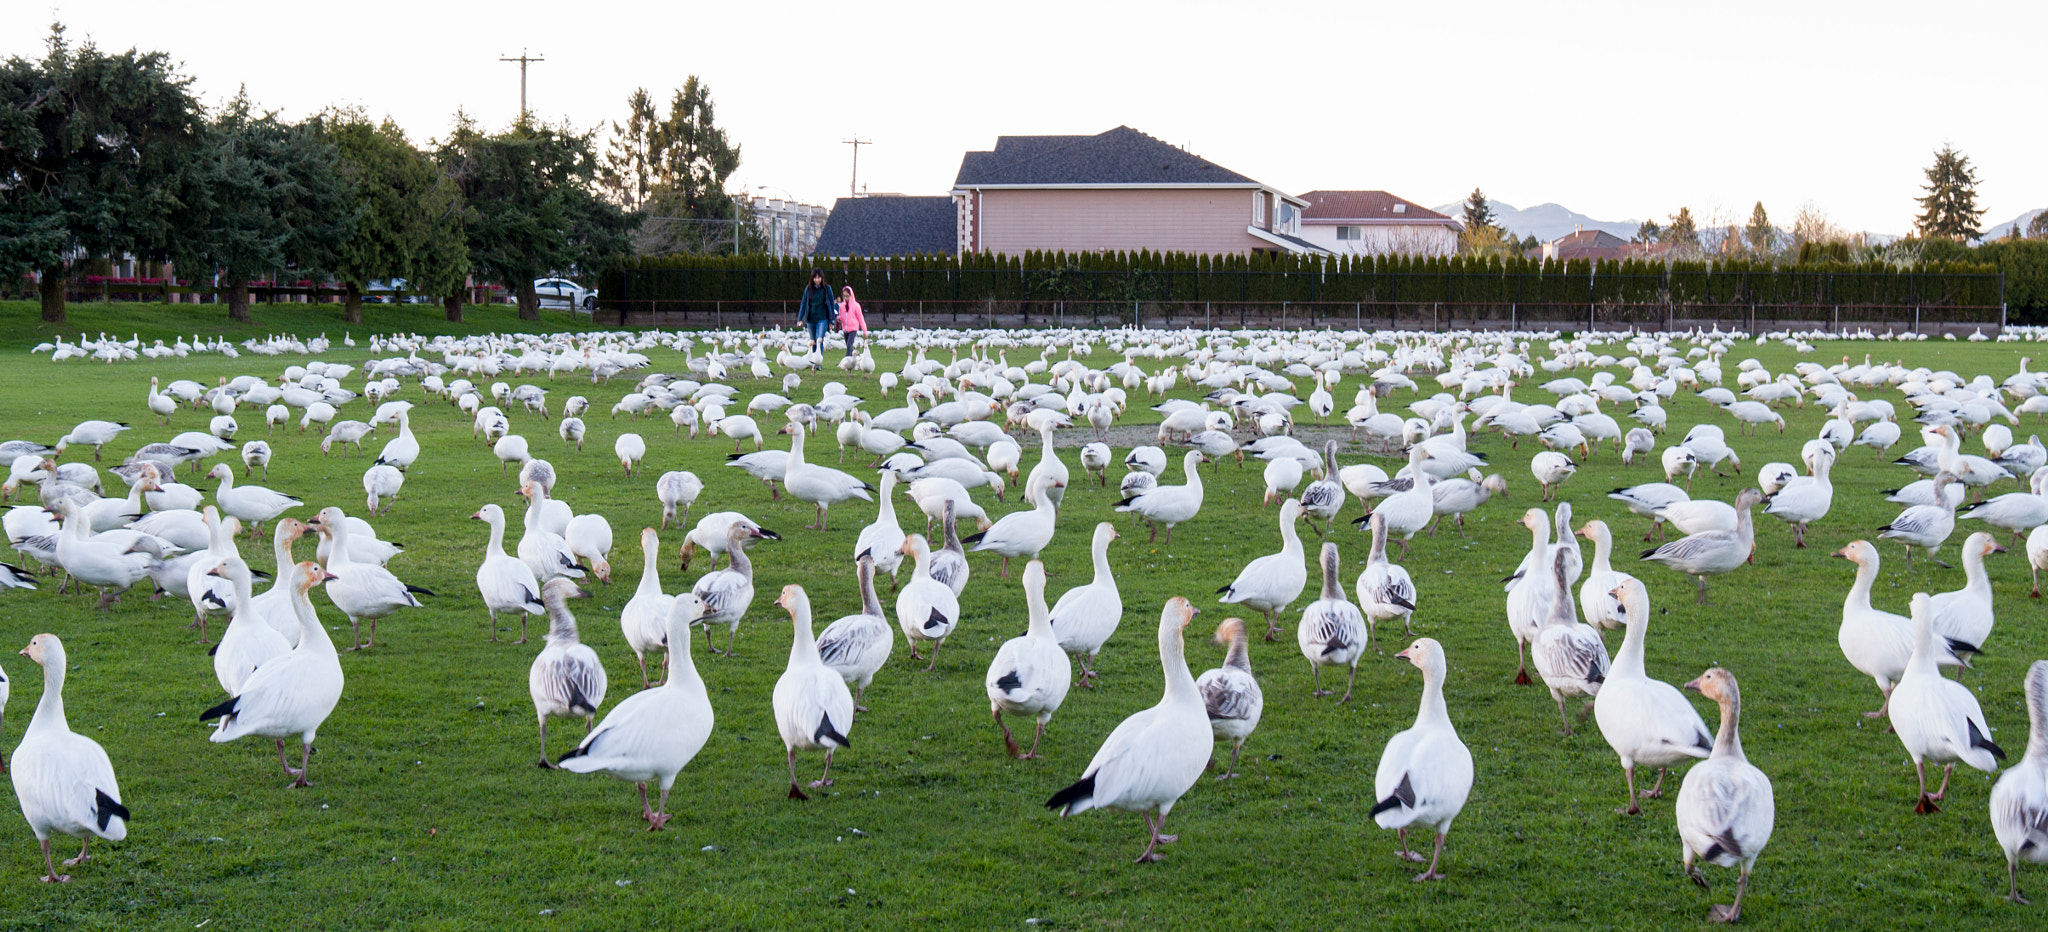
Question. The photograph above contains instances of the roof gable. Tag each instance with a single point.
(1366, 206)
(1119, 156)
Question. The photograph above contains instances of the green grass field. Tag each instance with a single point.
(428, 811)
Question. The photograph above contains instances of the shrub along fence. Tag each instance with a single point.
(1150, 289)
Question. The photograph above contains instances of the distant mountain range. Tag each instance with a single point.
(1546, 222)
(1999, 230)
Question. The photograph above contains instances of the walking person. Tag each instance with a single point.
(852, 323)
(816, 310)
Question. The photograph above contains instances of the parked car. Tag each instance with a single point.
(393, 284)
(561, 294)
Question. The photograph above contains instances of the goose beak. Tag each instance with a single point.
(326, 577)
(1995, 548)
(1693, 685)
(764, 532)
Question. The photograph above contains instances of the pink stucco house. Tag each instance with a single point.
(1119, 189)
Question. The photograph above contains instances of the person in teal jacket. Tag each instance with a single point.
(817, 310)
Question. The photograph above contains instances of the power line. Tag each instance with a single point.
(523, 61)
(853, 187)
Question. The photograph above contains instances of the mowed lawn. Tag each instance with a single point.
(429, 812)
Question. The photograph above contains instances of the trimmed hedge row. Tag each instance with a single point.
(1182, 278)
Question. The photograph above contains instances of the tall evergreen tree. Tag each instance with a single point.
(1649, 232)
(673, 170)
(1760, 235)
(96, 153)
(1478, 213)
(409, 216)
(1682, 229)
(1949, 208)
(2037, 228)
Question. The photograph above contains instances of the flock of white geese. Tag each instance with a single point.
(949, 436)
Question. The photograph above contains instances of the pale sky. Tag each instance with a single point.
(1616, 110)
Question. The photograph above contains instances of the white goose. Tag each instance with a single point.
(1597, 601)
(1937, 718)
(1529, 597)
(292, 694)
(1385, 591)
(1878, 643)
(381, 485)
(1804, 500)
(248, 642)
(654, 733)
(727, 593)
(883, 538)
(1230, 693)
(1711, 553)
(1324, 498)
(1333, 632)
(1022, 534)
(677, 489)
(2019, 800)
(1966, 615)
(822, 486)
(1051, 472)
(1410, 511)
(644, 620)
(541, 548)
(2014, 511)
(93, 562)
(1425, 773)
(1925, 525)
(1031, 674)
(63, 779)
(1169, 504)
(813, 709)
(363, 591)
(1648, 499)
(949, 562)
(1086, 615)
(1725, 809)
(1156, 755)
(403, 450)
(1646, 721)
(1271, 583)
(566, 679)
(926, 609)
(506, 583)
(1551, 469)
(857, 645)
(1568, 653)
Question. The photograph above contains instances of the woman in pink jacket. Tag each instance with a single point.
(851, 322)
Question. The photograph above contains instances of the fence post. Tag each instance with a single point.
(718, 314)
(2001, 315)
(1838, 320)
(1916, 318)
(1208, 316)
(1513, 317)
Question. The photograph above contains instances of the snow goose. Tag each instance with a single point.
(1597, 601)
(1385, 591)
(1169, 504)
(1031, 674)
(506, 583)
(1051, 472)
(1460, 497)
(1965, 616)
(1696, 515)
(566, 679)
(1230, 693)
(87, 560)
(589, 538)
(1085, 616)
(1271, 583)
(1646, 721)
(926, 609)
(857, 645)
(1710, 446)
(510, 449)
(1679, 459)
(822, 486)
(1879, 643)
(1022, 534)
(1095, 459)
(400, 451)
(1146, 459)
(1725, 810)
(1568, 653)
(630, 450)
(1410, 511)
(1648, 499)
(1804, 500)
(1711, 553)
(1551, 469)
(248, 641)
(883, 536)
(2019, 800)
(256, 455)
(949, 562)
(1006, 457)
(727, 593)
(381, 485)
(1155, 756)
(1425, 773)
(644, 620)
(2014, 511)
(63, 779)
(677, 489)
(1937, 718)
(1926, 526)
(542, 549)
(654, 733)
(250, 503)
(1282, 475)
(813, 708)
(363, 591)
(1332, 632)
(1324, 498)
(572, 429)
(290, 694)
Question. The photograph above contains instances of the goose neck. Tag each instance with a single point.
(1629, 660)
(803, 650)
(1859, 591)
(736, 556)
(1728, 740)
(1603, 552)
(1180, 684)
(497, 544)
(1432, 710)
(870, 603)
(1239, 654)
(1040, 625)
(1103, 575)
(50, 709)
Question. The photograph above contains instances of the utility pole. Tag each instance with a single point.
(853, 186)
(523, 61)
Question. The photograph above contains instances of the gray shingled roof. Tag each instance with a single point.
(1120, 156)
(888, 226)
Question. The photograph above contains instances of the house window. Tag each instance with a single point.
(1258, 208)
(1347, 233)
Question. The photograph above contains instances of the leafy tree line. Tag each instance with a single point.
(110, 155)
